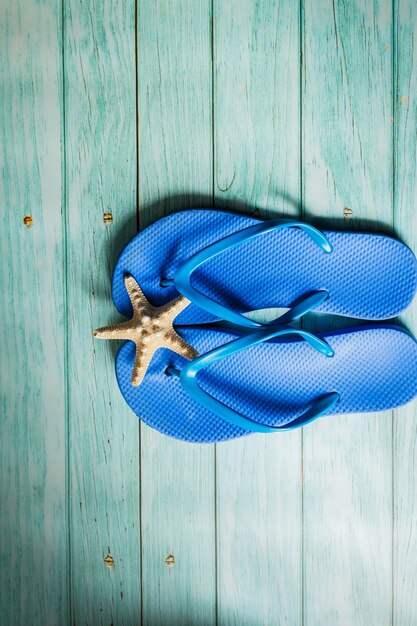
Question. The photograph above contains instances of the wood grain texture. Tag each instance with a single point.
(313, 529)
(347, 109)
(100, 117)
(405, 220)
(256, 86)
(259, 530)
(32, 397)
(257, 139)
(175, 107)
(347, 162)
(175, 172)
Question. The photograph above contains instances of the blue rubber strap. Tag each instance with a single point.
(188, 377)
(182, 279)
(304, 305)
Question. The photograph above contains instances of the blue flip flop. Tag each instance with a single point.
(229, 264)
(267, 379)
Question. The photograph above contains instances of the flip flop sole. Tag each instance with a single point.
(373, 369)
(366, 275)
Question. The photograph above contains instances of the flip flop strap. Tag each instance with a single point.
(182, 278)
(188, 378)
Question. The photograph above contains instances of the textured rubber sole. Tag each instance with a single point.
(367, 276)
(373, 368)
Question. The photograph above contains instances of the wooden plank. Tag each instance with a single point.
(259, 530)
(405, 221)
(175, 172)
(100, 119)
(32, 400)
(257, 52)
(347, 162)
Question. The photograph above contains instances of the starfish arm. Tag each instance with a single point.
(142, 359)
(137, 297)
(135, 293)
(180, 346)
(123, 331)
(132, 286)
(175, 307)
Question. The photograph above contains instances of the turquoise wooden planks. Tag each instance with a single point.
(312, 528)
(256, 86)
(347, 164)
(347, 109)
(405, 201)
(259, 530)
(175, 106)
(32, 382)
(100, 140)
(257, 140)
(175, 172)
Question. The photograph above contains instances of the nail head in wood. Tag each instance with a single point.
(109, 561)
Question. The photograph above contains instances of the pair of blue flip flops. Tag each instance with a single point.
(198, 369)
